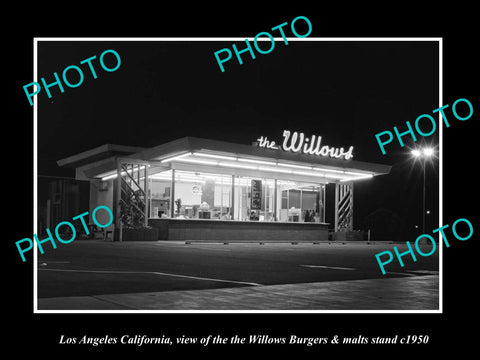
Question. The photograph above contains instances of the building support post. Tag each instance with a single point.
(118, 222)
(275, 202)
(232, 201)
(172, 195)
(337, 185)
(145, 189)
(324, 202)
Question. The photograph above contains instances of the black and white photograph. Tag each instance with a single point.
(299, 181)
(252, 189)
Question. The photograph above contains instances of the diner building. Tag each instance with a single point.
(202, 189)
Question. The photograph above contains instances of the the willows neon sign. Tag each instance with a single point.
(298, 142)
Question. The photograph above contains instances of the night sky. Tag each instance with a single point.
(344, 91)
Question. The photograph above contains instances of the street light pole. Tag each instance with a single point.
(423, 154)
(424, 210)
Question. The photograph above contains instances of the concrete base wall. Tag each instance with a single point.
(172, 229)
(349, 236)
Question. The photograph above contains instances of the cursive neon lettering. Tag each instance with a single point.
(298, 142)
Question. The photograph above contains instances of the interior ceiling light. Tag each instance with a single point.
(257, 161)
(295, 166)
(329, 170)
(114, 174)
(198, 161)
(308, 173)
(241, 166)
(243, 163)
(368, 176)
(275, 169)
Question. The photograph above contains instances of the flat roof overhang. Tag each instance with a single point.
(206, 155)
(102, 152)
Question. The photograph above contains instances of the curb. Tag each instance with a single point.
(262, 242)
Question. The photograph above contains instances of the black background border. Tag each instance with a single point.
(41, 332)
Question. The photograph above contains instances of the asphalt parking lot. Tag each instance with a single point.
(89, 268)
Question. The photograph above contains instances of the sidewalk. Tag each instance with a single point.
(402, 293)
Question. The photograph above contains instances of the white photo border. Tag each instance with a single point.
(179, 39)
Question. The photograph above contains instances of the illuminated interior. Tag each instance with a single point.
(271, 166)
(227, 186)
(209, 196)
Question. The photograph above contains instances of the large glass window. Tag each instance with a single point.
(199, 195)
(254, 199)
(195, 195)
(159, 194)
(301, 202)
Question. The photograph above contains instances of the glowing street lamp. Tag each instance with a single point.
(427, 152)
(416, 153)
(424, 154)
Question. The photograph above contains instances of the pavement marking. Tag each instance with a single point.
(156, 273)
(210, 248)
(400, 273)
(192, 246)
(169, 243)
(328, 267)
(425, 272)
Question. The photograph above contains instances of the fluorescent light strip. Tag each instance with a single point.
(329, 170)
(308, 173)
(237, 166)
(187, 173)
(176, 157)
(179, 177)
(226, 180)
(358, 178)
(273, 169)
(257, 161)
(169, 177)
(196, 161)
(286, 182)
(108, 177)
(295, 166)
(190, 180)
(216, 156)
(114, 175)
(183, 158)
(332, 176)
(321, 175)
(344, 172)
(189, 177)
(357, 173)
